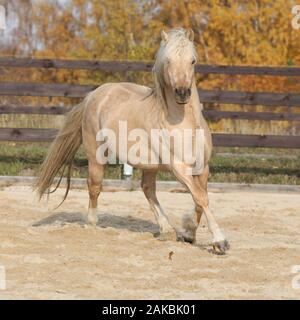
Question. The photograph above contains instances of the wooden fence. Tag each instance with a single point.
(206, 96)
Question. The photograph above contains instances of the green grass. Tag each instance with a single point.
(258, 166)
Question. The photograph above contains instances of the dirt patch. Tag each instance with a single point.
(54, 255)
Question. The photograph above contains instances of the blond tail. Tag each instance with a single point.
(62, 152)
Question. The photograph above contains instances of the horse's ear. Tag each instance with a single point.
(190, 34)
(164, 36)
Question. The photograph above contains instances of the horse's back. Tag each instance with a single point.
(112, 102)
(121, 90)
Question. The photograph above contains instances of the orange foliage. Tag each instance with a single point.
(233, 32)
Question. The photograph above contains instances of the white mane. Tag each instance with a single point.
(177, 44)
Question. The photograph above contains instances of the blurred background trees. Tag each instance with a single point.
(227, 31)
(235, 32)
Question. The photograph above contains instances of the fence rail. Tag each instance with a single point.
(219, 139)
(213, 115)
(121, 66)
(206, 96)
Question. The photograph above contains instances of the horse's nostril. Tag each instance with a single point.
(189, 92)
(180, 91)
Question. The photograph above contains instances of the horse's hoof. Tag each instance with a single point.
(167, 236)
(91, 222)
(220, 247)
(185, 237)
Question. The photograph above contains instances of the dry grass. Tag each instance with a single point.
(227, 165)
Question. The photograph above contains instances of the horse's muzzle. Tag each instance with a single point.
(182, 95)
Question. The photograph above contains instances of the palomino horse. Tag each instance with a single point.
(172, 104)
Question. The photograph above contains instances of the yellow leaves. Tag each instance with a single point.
(238, 32)
(250, 32)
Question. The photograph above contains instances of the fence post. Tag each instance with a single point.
(127, 171)
(2, 16)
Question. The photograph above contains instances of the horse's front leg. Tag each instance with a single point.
(197, 185)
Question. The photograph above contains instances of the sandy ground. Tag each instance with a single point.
(62, 258)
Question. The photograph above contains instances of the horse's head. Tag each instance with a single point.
(176, 61)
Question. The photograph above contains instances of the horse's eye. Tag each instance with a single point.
(194, 61)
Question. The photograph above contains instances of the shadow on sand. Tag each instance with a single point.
(105, 220)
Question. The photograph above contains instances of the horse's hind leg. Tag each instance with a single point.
(190, 222)
(96, 173)
(167, 232)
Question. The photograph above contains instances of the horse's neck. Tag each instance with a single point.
(189, 113)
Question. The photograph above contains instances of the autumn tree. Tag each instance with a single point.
(230, 32)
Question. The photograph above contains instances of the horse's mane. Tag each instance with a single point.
(177, 44)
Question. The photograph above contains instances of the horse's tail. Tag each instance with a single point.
(61, 153)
